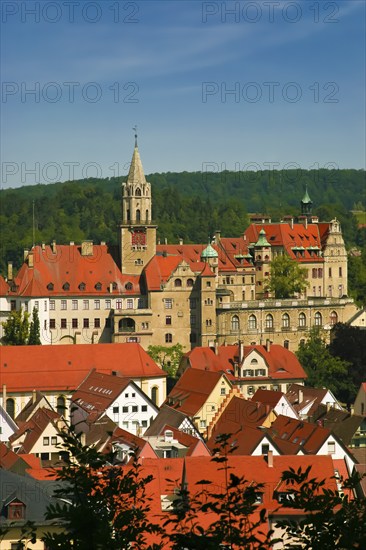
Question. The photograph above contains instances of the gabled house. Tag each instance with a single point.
(7, 425)
(296, 437)
(40, 435)
(277, 401)
(57, 371)
(249, 368)
(118, 398)
(305, 400)
(199, 394)
(173, 443)
(168, 416)
(346, 425)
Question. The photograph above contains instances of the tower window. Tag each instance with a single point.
(138, 192)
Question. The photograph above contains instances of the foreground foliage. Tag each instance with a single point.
(102, 505)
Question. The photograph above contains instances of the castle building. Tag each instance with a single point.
(192, 294)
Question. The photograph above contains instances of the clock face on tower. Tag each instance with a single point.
(139, 237)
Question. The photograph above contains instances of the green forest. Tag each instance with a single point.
(188, 205)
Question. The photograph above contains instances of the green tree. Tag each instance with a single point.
(16, 328)
(100, 505)
(34, 330)
(286, 278)
(323, 369)
(333, 519)
(167, 357)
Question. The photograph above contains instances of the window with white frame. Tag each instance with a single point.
(96, 304)
(168, 303)
(108, 304)
(52, 305)
(74, 304)
(85, 304)
(129, 303)
(63, 304)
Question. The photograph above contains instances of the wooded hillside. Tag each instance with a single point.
(191, 205)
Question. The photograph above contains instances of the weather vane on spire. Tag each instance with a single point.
(135, 130)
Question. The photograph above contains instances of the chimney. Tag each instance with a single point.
(306, 223)
(158, 241)
(301, 396)
(83, 439)
(53, 247)
(291, 220)
(181, 241)
(4, 396)
(72, 243)
(10, 271)
(270, 459)
(241, 352)
(217, 236)
(165, 241)
(43, 246)
(30, 259)
(216, 347)
(34, 396)
(87, 248)
(103, 243)
(25, 254)
(268, 345)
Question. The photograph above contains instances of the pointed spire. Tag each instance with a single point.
(136, 172)
(306, 199)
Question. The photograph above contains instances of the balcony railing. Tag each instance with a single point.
(287, 303)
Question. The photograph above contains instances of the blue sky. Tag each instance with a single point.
(210, 85)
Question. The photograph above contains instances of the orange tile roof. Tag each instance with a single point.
(67, 265)
(192, 390)
(4, 287)
(282, 363)
(34, 428)
(62, 368)
(283, 235)
(98, 391)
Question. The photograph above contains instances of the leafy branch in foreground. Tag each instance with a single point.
(333, 518)
(219, 517)
(100, 505)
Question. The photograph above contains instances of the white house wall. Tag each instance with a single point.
(134, 420)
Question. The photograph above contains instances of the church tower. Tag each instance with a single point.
(137, 233)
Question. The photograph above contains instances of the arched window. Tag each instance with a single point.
(189, 282)
(10, 407)
(66, 286)
(302, 319)
(82, 286)
(50, 286)
(147, 215)
(138, 215)
(318, 319)
(138, 192)
(178, 282)
(168, 338)
(128, 286)
(61, 405)
(333, 318)
(269, 321)
(98, 286)
(286, 344)
(235, 325)
(126, 325)
(252, 322)
(285, 320)
(154, 394)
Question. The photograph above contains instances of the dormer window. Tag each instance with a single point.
(66, 286)
(98, 286)
(128, 286)
(50, 286)
(16, 510)
(82, 286)
(114, 286)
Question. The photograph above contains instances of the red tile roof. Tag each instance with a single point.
(282, 363)
(192, 390)
(68, 265)
(98, 391)
(268, 397)
(4, 287)
(34, 428)
(291, 435)
(62, 368)
(283, 235)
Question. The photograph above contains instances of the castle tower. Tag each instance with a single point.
(306, 204)
(137, 233)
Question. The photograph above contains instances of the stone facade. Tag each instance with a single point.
(194, 295)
